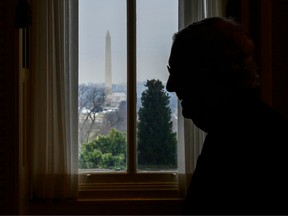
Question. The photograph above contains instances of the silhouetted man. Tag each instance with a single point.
(242, 168)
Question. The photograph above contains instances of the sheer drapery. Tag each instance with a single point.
(54, 66)
(191, 140)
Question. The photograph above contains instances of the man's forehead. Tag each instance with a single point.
(177, 62)
(178, 59)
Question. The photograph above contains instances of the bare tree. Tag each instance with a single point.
(95, 114)
(91, 100)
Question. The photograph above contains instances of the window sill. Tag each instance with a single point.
(120, 186)
(147, 206)
(131, 191)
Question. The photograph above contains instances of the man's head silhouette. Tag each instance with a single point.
(210, 60)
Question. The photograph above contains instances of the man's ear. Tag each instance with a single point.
(252, 76)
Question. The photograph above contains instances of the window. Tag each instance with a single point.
(135, 54)
(122, 45)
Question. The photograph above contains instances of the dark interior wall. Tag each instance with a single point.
(8, 109)
(271, 32)
(266, 22)
(279, 12)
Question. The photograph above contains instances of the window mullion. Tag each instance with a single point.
(131, 80)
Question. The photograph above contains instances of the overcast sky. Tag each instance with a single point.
(157, 21)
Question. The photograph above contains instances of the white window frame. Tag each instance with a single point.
(156, 185)
(131, 183)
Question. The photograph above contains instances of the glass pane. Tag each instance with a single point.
(157, 21)
(102, 104)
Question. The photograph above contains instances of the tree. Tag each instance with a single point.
(91, 99)
(94, 119)
(104, 152)
(155, 137)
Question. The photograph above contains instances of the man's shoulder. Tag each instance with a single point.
(270, 116)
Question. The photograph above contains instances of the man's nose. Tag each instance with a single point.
(170, 85)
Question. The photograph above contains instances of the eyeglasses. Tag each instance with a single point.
(170, 72)
(168, 67)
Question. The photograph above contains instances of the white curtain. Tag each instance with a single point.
(54, 68)
(191, 139)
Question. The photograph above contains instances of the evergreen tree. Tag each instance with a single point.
(155, 137)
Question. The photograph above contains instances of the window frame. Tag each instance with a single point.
(132, 183)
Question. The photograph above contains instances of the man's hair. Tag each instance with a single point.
(218, 40)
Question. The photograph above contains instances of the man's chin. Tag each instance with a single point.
(201, 124)
(186, 115)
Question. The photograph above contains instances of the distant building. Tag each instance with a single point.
(117, 98)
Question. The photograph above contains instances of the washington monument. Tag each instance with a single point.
(108, 71)
(108, 67)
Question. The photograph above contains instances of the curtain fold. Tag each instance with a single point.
(54, 66)
(191, 138)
